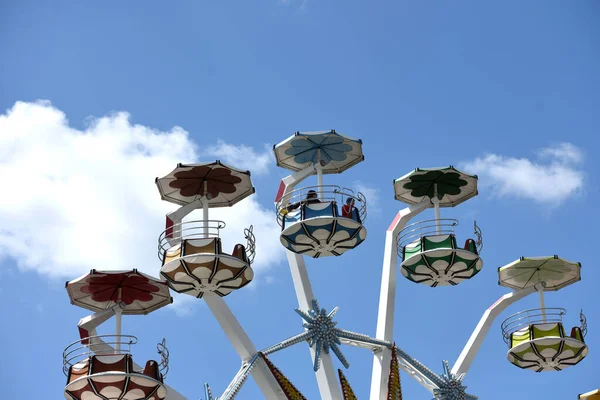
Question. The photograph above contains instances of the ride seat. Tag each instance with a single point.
(239, 251)
(576, 334)
(196, 246)
(78, 370)
(151, 369)
(520, 336)
(471, 246)
(322, 209)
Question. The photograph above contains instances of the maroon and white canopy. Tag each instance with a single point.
(221, 184)
(138, 292)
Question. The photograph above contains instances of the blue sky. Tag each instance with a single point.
(510, 89)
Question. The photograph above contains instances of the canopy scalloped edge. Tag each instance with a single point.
(315, 133)
(165, 197)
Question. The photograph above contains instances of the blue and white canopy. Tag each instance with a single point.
(335, 152)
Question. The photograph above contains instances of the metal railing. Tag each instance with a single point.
(163, 351)
(325, 194)
(428, 227)
(583, 321)
(77, 352)
(250, 243)
(103, 345)
(526, 318)
(479, 241)
(197, 229)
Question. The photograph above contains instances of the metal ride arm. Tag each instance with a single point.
(387, 298)
(288, 184)
(244, 347)
(327, 378)
(87, 328)
(415, 370)
(472, 347)
(175, 217)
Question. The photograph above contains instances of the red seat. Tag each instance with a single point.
(470, 246)
(239, 251)
(152, 370)
(576, 333)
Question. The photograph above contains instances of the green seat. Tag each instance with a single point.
(520, 336)
(411, 249)
(432, 242)
(540, 331)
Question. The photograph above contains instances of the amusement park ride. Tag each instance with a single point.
(316, 221)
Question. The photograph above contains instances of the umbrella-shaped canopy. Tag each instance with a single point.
(453, 186)
(138, 292)
(336, 153)
(221, 184)
(528, 271)
(593, 395)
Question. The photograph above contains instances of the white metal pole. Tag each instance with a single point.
(205, 215)
(320, 181)
(387, 298)
(436, 208)
(243, 346)
(118, 313)
(542, 306)
(470, 350)
(327, 378)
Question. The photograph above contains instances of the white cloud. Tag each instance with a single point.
(242, 156)
(551, 180)
(372, 196)
(74, 200)
(566, 153)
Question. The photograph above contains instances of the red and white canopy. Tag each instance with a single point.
(221, 184)
(138, 292)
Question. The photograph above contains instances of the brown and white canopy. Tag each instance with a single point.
(220, 184)
(137, 292)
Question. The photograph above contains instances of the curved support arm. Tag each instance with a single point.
(472, 347)
(387, 298)
(87, 325)
(244, 346)
(177, 216)
(288, 183)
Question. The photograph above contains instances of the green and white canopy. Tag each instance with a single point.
(452, 186)
(528, 271)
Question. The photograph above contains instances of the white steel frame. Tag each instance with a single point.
(387, 299)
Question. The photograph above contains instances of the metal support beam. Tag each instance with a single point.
(387, 298)
(472, 347)
(327, 378)
(243, 346)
